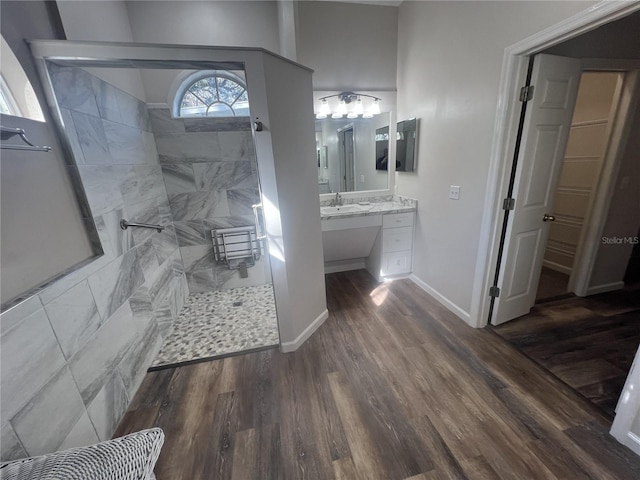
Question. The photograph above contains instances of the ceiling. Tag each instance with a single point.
(615, 40)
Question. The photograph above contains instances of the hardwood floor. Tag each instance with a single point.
(392, 386)
(588, 343)
(552, 284)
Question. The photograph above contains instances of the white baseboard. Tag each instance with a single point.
(344, 266)
(557, 267)
(607, 287)
(292, 346)
(452, 307)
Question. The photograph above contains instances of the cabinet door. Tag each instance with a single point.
(396, 263)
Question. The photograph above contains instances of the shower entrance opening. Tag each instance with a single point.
(190, 138)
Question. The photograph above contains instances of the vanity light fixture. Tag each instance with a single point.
(345, 99)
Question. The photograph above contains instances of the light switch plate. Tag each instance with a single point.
(454, 192)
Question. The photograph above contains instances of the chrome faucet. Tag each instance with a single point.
(337, 202)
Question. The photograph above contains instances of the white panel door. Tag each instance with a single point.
(544, 139)
(626, 424)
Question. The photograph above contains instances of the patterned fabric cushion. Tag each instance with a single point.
(131, 457)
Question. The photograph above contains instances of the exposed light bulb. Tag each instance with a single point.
(320, 116)
(352, 114)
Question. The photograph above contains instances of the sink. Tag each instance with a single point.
(351, 208)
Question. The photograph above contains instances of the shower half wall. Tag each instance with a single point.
(210, 172)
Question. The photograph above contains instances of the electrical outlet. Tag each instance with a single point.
(454, 192)
(361, 178)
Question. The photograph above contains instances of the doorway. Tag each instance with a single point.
(575, 192)
(538, 160)
(346, 155)
(588, 343)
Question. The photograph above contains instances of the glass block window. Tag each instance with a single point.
(218, 94)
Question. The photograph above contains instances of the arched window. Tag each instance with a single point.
(8, 105)
(212, 94)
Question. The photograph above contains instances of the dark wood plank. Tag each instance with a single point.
(391, 386)
(219, 445)
(245, 456)
(479, 469)
(605, 450)
(270, 456)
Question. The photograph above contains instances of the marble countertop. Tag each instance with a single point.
(397, 205)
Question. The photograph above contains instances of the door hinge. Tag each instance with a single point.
(494, 291)
(508, 203)
(526, 93)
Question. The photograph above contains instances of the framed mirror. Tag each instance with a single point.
(351, 153)
(354, 142)
(406, 145)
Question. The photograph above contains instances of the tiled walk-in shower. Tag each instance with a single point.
(221, 323)
(81, 347)
(210, 173)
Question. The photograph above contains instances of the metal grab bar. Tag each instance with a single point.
(8, 132)
(125, 224)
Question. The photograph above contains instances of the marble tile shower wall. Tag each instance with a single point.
(209, 169)
(73, 356)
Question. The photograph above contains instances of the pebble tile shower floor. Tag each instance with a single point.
(219, 323)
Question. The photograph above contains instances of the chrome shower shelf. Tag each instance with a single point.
(236, 246)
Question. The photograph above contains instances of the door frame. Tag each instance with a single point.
(512, 77)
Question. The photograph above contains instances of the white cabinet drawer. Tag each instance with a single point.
(395, 263)
(394, 220)
(397, 239)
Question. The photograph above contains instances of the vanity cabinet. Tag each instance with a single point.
(393, 248)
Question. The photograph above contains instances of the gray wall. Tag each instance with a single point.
(348, 46)
(102, 21)
(209, 169)
(450, 56)
(73, 356)
(39, 212)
